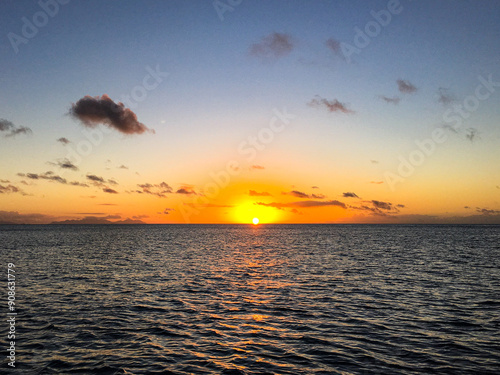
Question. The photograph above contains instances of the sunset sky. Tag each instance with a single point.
(288, 111)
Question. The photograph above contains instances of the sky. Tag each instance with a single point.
(228, 110)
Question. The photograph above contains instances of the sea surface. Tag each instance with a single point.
(267, 299)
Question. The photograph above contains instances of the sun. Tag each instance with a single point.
(255, 221)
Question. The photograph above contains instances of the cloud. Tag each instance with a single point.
(257, 167)
(185, 189)
(64, 140)
(382, 205)
(76, 183)
(394, 100)
(95, 178)
(487, 211)
(122, 167)
(314, 187)
(109, 190)
(167, 211)
(13, 130)
(471, 134)
(300, 194)
(303, 204)
(92, 111)
(65, 164)
(374, 161)
(350, 195)
(8, 189)
(138, 217)
(406, 87)
(158, 190)
(330, 105)
(49, 175)
(254, 193)
(333, 45)
(445, 98)
(376, 182)
(273, 46)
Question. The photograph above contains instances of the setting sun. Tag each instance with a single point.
(255, 221)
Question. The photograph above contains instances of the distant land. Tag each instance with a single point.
(98, 220)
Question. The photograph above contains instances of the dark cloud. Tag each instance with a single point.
(471, 134)
(49, 175)
(330, 105)
(65, 164)
(98, 220)
(303, 204)
(185, 189)
(11, 129)
(300, 194)
(109, 190)
(92, 111)
(112, 182)
(394, 100)
(273, 46)
(487, 211)
(333, 45)
(467, 207)
(64, 140)
(315, 187)
(122, 167)
(406, 87)
(4, 181)
(382, 205)
(8, 189)
(95, 178)
(158, 190)
(350, 195)
(167, 211)
(445, 98)
(254, 193)
(76, 183)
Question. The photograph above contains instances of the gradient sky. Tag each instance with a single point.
(338, 116)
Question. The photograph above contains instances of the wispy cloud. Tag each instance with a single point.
(160, 190)
(63, 140)
(109, 190)
(303, 204)
(8, 189)
(273, 46)
(395, 100)
(260, 167)
(300, 194)
(92, 111)
(254, 193)
(445, 98)
(471, 134)
(406, 87)
(330, 105)
(65, 164)
(95, 178)
(333, 45)
(350, 195)
(11, 129)
(185, 189)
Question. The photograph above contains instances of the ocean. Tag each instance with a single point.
(241, 299)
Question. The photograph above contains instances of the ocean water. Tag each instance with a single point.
(270, 299)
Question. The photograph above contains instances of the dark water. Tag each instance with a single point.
(277, 299)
